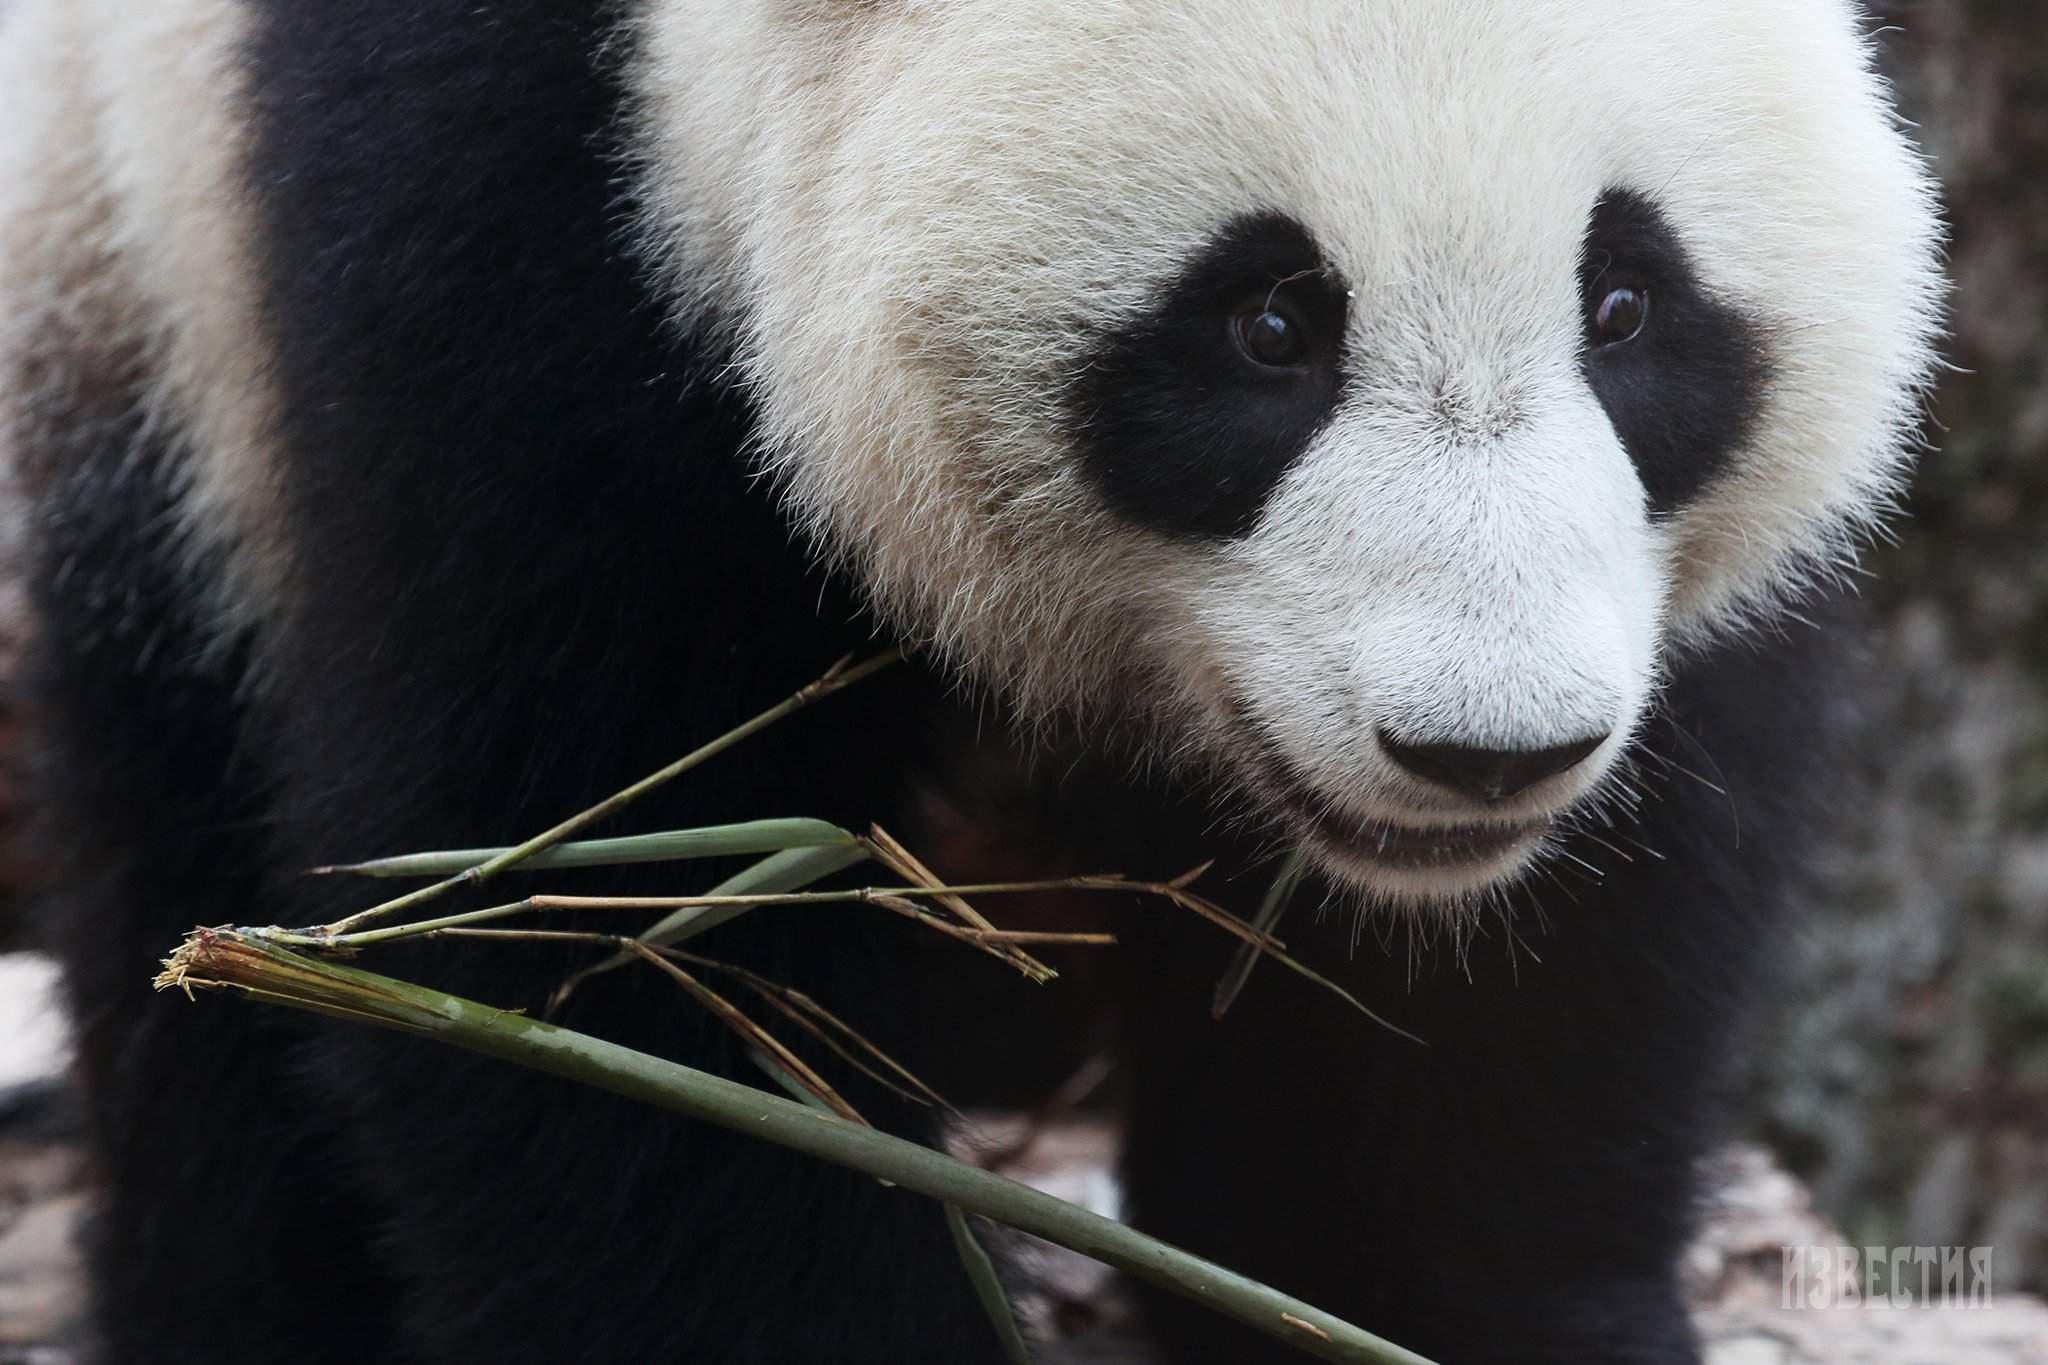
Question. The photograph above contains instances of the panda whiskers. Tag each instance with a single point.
(1604, 818)
(1671, 764)
(1611, 848)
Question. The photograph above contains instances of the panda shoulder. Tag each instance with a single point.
(126, 250)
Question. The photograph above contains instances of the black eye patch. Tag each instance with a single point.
(1684, 387)
(1187, 415)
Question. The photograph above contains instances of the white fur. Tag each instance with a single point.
(123, 243)
(917, 213)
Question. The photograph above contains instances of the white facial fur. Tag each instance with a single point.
(917, 214)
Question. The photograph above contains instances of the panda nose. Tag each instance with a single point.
(1487, 774)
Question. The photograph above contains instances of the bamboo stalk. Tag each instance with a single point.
(988, 1285)
(866, 895)
(669, 846)
(897, 899)
(841, 676)
(884, 848)
(784, 871)
(735, 1019)
(265, 970)
(793, 1005)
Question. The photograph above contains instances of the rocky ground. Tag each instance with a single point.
(39, 1173)
(1735, 1281)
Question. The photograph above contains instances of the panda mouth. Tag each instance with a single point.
(1416, 848)
(1386, 846)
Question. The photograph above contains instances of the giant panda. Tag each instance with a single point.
(1426, 437)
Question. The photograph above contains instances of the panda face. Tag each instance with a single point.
(1366, 402)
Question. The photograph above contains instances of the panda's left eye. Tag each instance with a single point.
(1621, 314)
(1269, 336)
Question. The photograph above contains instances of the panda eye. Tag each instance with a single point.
(1270, 336)
(1621, 314)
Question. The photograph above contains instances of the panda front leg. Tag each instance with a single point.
(1518, 1190)
(219, 1196)
(536, 1221)
(530, 1221)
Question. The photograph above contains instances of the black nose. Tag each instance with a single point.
(1487, 774)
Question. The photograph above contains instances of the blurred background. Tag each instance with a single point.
(1907, 1084)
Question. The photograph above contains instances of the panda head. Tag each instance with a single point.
(1372, 399)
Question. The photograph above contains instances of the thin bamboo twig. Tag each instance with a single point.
(667, 846)
(841, 676)
(788, 870)
(887, 850)
(1278, 895)
(265, 970)
(1181, 896)
(734, 1018)
(973, 938)
(799, 1008)
(790, 1085)
(774, 1000)
(988, 1285)
(364, 938)
(1075, 938)
(990, 942)
(812, 1007)
(893, 898)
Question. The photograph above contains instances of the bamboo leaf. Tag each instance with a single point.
(988, 1286)
(841, 675)
(671, 846)
(788, 870)
(1278, 896)
(779, 874)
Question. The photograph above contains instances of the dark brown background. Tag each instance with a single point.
(1910, 1081)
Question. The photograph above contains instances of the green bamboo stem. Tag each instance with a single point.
(785, 871)
(671, 846)
(265, 970)
(366, 938)
(887, 897)
(836, 680)
(897, 898)
(988, 1285)
(863, 895)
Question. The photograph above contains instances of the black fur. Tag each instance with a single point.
(534, 567)
(1520, 1189)
(1180, 431)
(1685, 393)
(197, 1128)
